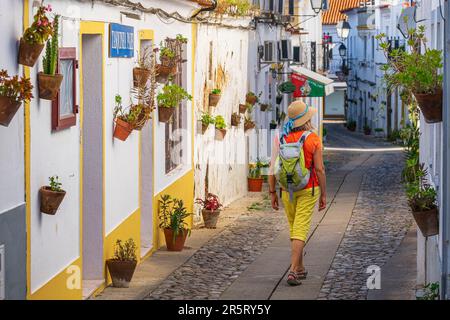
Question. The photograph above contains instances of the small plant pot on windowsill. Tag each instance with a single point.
(49, 85)
(140, 76)
(242, 108)
(50, 200)
(121, 272)
(214, 99)
(210, 218)
(255, 184)
(180, 239)
(165, 114)
(122, 129)
(431, 106)
(8, 110)
(428, 222)
(264, 107)
(220, 134)
(29, 53)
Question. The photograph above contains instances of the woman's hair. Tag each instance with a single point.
(307, 126)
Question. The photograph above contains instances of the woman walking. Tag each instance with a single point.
(298, 164)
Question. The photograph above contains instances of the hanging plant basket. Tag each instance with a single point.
(122, 129)
(235, 120)
(428, 222)
(279, 99)
(214, 99)
(431, 106)
(50, 200)
(165, 114)
(210, 218)
(264, 107)
(242, 108)
(121, 272)
(29, 53)
(220, 134)
(251, 99)
(142, 119)
(163, 72)
(49, 85)
(204, 128)
(180, 239)
(140, 76)
(249, 126)
(8, 110)
(273, 126)
(255, 184)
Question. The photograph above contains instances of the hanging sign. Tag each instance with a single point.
(302, 86)
(121, 41)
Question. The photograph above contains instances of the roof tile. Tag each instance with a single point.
(333, 15)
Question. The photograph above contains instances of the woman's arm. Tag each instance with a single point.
(320, 172)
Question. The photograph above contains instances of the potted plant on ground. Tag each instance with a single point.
(49, 81)
(124, 119)
(273, 125)
(422, 200)
(367, 130)
(170, 98)
(214, 97)
(210, 209)
(142, 72)
(13, 91)
(378, 132)
(206, 120)
(242, 108)
(251, 98)
(122, 266)
(248, 124)
(255, 180)
(221, 128)
(51, 196)
(351, 125)
(235, 119)
(416, 70)
(34, 37)
(172, 219)
(168, 66)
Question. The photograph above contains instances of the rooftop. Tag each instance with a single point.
(333, 15)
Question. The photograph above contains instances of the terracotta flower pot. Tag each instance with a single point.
(29, 53)
(255, 184)
(140, 76)
(214, 99)
(121, 272)
(8, 110)
(164, 71)
(251, 99)
(249, 126)
(428, 222)
(180, 239)
(431, 106)
(210, 218)
(50, 200)
(204, 128)
(242, 108)
(220, 134)
(235, 120)
(264, 107)
(122, 129)
(165, 114)
(49, 85)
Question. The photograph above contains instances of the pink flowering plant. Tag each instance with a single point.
(211, 203)
(41, 28)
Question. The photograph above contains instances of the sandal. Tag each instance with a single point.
(302, 274)
(293, 279)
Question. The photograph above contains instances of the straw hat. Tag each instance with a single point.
(297, 108)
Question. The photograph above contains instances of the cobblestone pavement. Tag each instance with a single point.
(379, 222)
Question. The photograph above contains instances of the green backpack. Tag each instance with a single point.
(291, 171)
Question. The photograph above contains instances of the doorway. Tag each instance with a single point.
(146, 195)
(92, 134)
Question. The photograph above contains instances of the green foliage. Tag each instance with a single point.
(17, 90)
(129, 115)
(431, 291)
(173, 215)
(166, 52)
(50, 59)
(324, 131)
(125, 251)
(411, 69)
(219, 122)
(55, 185)
(207, 118)
(180, 38)
(216, 91)
(421, 196)
(41, 28)
(171, 96)
(234, 7)
(255, 168)
(378, 129)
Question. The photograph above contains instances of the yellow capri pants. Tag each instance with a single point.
(299, 211)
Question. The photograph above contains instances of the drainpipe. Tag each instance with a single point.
(445, 208)
(205, 9)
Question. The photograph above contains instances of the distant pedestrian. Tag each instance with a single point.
(297, 163)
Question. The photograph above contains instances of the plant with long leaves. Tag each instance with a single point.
(173, 215)
(125, 251)
(50, 59)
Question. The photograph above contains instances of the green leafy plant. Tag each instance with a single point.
(273, 121)
(431, 291)
(378, 129)
(166, 52)
(173, 215)
(415, 70)
(55, 185)
(50, 59)
(171, 96)
(421, 196)
(180, 38)
(216, 91)
(219, 122)
(207, 119)
(253, 95)
(125, 251)
(41, 28)
(17, 90)
(129, 115)
(234, 7)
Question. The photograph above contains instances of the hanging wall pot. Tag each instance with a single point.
(431, 106)
(8, 110)
(122, 130)
(50, 200)
(29, 53)
(428, 222)
(140, 76)
(242, 108)
(49, 85)
(165, 114)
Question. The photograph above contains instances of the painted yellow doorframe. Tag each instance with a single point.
(91, 27)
